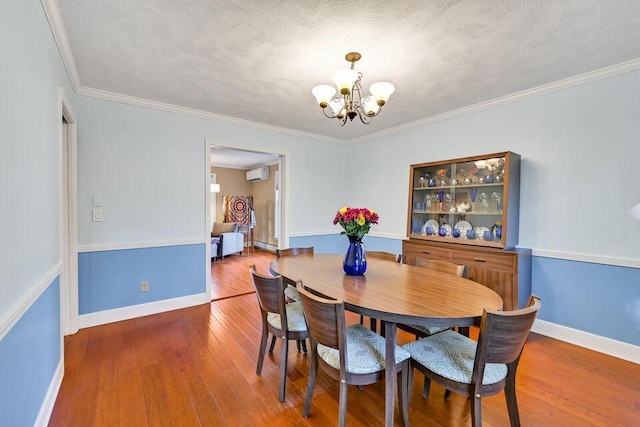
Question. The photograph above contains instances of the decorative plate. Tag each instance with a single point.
(433, 223)
(463, 226)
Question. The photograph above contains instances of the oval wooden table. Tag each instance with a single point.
(395, 293)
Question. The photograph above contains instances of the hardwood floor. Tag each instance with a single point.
(196, 367)
(229, 277)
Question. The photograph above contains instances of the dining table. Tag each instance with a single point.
(393, 293)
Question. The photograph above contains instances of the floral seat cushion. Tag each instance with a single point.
(295, 318)
(365, 352)
(291, 293)
(429, 330)
(451, 355)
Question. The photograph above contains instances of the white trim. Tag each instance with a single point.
(20, 307)
(313, 233)
(580, 79)
(140, 245)
(619, 349)
(59, 33)
(596, 259)
(139, 310)
(67, 158)
(191, 112)
(52, 11)
(207, 214)
(50, 398)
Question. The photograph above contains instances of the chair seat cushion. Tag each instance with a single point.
(365, 352)
(429, 330)
(451, 355)
(295, 318)
(291, 293)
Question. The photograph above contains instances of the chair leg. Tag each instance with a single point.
(311, 383)
(361, 319)
(476, 411)
(273, 344)
(344, 396)
(304, 346)
(426, 387)
(447, 394)
(403, 395)
(263, 347)
(510, 395)
(298, 345)
(283, 367)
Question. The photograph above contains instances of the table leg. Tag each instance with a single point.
(390, 372)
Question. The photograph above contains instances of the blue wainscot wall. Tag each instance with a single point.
(599, 299)
(111, 279)
(29, 358)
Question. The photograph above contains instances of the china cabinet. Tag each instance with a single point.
(466, 211)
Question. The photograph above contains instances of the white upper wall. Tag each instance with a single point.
(31, 73)
(149, 168)
(579, 178)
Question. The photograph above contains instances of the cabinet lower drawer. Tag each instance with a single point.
(484, 261)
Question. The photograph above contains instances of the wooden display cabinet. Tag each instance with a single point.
(466, 211)
(480, 193)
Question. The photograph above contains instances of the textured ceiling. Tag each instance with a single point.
(258, 60)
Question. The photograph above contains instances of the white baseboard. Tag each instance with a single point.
(619, 349)
(131, 312)
(50, 398)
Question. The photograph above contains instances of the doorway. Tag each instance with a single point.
(226, 168)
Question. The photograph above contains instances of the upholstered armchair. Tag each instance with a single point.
(226, 239)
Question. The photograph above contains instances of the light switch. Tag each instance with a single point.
(96, 200)
(96, 215)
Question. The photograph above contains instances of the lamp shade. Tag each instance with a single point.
(370, 105)
(344, 78)
(381, 91)
(323, 94)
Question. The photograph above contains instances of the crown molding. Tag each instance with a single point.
(52, 12)
(192, 112)
(580, 79)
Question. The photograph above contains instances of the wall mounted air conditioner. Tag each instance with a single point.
(259, 174)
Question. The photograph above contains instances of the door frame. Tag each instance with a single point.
(67, 214)
(284, 167)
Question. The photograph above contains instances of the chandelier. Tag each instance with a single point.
(351, 101)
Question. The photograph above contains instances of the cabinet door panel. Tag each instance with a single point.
(500, 282)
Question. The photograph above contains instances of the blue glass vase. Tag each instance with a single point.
(355, 262)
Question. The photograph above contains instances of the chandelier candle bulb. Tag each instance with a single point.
(352, 101)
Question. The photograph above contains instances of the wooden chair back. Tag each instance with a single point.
(387, 256)
(270, 292)
(503, 334)
(443, 266)
(294, 251)
(325, 318)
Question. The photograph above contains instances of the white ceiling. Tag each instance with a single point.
(258, 60)
(240, 159)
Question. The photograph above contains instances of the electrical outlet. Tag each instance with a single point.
(144, 286)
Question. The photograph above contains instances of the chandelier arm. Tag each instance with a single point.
(332, 116)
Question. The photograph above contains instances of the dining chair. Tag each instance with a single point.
(353, 355)
(444, 267)
(387, 256)
(285, 321)
(290, 288)
(478, 369)
(421, 331)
